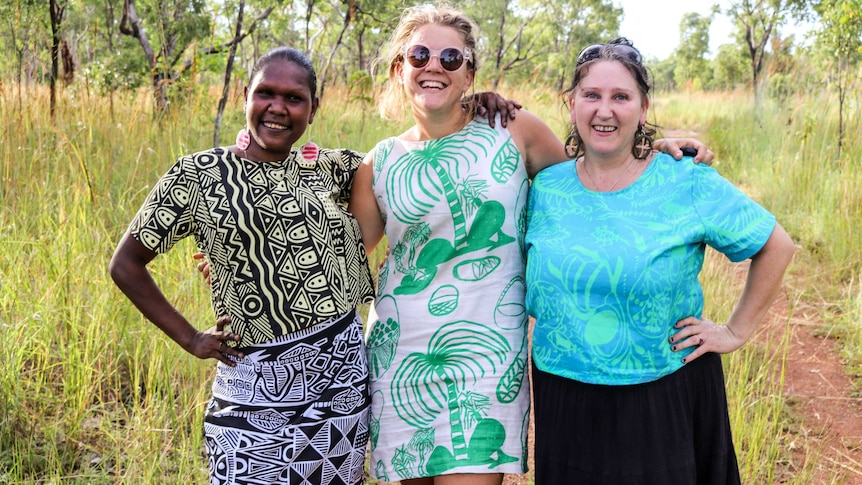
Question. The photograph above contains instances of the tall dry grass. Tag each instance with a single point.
(92, 393)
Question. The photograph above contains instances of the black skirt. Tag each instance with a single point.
(675, 430)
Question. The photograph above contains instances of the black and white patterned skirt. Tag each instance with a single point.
(293, 411)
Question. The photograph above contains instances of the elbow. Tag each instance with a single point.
(116, 270)
(779, 249)
(787, 246)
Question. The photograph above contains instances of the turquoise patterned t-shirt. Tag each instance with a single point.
(610, 273)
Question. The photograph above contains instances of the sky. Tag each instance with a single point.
(653, 25)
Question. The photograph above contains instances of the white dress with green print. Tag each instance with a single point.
(448, 347)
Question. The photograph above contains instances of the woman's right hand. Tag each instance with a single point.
(213, 343)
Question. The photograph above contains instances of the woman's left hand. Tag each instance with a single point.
(706, 336)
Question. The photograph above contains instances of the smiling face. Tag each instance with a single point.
(279, 107)
(607, 106)
(431, 87)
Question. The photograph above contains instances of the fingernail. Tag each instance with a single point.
(670, 340)
(673, 348)
(683, 360)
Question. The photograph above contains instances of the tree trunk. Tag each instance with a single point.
(348, 16)
(227, 73)
(57, 12)
(131, 25)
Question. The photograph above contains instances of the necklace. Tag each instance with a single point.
(619, 177)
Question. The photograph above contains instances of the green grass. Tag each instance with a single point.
(92, 393)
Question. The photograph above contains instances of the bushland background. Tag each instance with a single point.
(97, 98)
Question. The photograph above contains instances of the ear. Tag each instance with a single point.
(644, 110)
(398, 72)
(471, 75)
(314, 105)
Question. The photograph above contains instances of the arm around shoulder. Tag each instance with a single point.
(537, 142)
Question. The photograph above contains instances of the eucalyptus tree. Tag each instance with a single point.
(536, 39)
(163, 29)
(23, 35)
(756, 21)
(691, 64)
(839, 37)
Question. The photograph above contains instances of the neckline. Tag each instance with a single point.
(647, 171)
(473, 121)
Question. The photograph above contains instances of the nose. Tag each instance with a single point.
(434, 61)
(604, 109)
(277, 105)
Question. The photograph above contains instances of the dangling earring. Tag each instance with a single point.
(243, 139)
(573, 143)
(310, 151)
(643, 144)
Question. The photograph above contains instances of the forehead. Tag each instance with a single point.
(608, 74)
(436, 37)
(282, 74)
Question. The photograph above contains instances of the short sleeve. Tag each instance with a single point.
(342, 164)
(734, 224)
(166, 216)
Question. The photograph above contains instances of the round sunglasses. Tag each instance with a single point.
(450, 58)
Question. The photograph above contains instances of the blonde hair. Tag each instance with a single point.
(392, 99)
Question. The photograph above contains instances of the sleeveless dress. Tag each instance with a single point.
(448, 345)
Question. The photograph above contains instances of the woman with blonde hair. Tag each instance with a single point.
(448, 346)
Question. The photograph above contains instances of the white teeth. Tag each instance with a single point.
(606, 129)
(275, 126)
(431, 84)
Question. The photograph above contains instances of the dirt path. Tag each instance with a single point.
(827, 414)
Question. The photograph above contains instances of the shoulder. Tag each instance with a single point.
(337, 158)
(685, 167)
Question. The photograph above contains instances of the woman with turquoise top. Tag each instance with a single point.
(627, 377)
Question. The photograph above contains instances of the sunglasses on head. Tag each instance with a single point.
(624, 49)
(450, 58)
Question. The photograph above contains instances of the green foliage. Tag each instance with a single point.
(729, 68)
(691, 65)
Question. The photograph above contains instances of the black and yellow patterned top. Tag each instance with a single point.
(284, 252)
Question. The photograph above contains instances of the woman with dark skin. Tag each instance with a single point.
(290, 395)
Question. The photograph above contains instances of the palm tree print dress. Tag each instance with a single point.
(448, 345)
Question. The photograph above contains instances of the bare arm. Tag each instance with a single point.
(363, 205)
(541, 147)
(128, 269)
(537, 143)
(761, 288)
